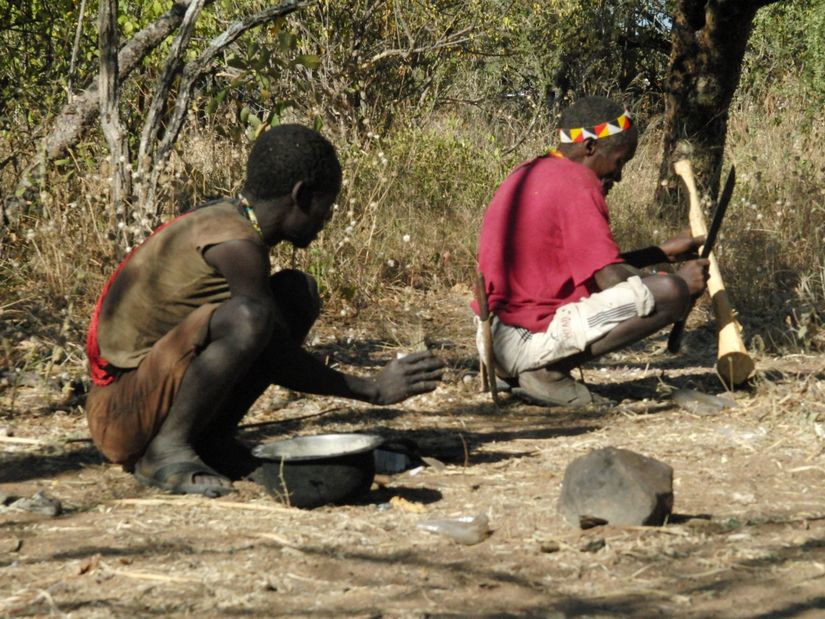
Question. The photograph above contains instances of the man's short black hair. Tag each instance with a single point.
(588, 112)
(286, 154)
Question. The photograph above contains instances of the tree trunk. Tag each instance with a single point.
(109, 86)
(709, 40)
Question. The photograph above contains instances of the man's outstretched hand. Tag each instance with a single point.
(683, 246)
(419, 372)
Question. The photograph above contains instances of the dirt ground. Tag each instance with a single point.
(747, 538)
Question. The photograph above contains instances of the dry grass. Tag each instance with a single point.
(408, 216)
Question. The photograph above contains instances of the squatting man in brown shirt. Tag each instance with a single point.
(192, 327)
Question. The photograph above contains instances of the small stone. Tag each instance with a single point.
(616, 486)
(434, 463)
(549, 547)
(588, 522)
(11, 545)
(593, 545)
(700, 403)
(39, 503)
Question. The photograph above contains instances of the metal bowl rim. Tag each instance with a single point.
(271, 451)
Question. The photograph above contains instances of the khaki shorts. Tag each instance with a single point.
(573, 327)
(125, 415)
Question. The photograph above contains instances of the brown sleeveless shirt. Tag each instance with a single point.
(166, 280)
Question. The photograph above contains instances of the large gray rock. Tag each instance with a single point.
(618, 487)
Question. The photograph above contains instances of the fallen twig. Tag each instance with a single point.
(149, 575)
(261, 424)
(278, 538)
(22, 441)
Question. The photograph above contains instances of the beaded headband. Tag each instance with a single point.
(603, 130)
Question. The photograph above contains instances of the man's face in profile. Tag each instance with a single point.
(313, 218)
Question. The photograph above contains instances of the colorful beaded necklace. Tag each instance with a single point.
(250, 215)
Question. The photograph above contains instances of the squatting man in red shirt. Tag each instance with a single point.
(192, 327)
(560, 290)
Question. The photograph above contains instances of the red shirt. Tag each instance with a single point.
(543, 237)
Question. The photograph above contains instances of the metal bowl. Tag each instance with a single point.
(310, 471)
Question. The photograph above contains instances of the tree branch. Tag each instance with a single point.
(151, 126)
(650, 42)
(81, 113)
(75, 47)
(456, 39)
(192, 72)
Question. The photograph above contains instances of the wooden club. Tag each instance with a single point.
(733, 363)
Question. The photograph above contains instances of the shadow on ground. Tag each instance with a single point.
(25, 466)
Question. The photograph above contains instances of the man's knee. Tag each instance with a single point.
(246, 322)
(671, 295)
